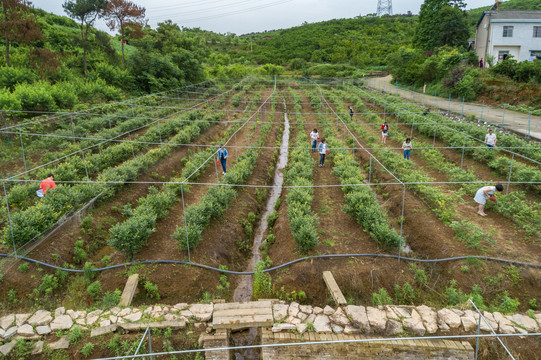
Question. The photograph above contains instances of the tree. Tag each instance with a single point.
(18, 24)
(86, 11)
(121, 14)
(441, 22)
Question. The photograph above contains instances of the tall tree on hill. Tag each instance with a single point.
(86, 11)
(441, 22)
(121, 14)
(18, 24)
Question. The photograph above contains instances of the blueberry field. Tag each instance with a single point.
(140, 190)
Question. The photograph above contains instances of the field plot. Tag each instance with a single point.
(160, 195)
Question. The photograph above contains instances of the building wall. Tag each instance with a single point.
(520, 44)
(481, 38)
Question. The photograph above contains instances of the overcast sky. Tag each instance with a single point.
(245, 16)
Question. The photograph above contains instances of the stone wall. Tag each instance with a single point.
(381, 350)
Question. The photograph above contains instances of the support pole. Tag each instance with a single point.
(216, 167)
(160, 132)
(7, 135)
(370, 172)
(150, 344)
(529, 121)
(510, 172)
(84, 162)
(22, 148)
(449, 108)
(503, 114)
(477, 339)
(402, 223)
(482, 109)
(9, 218)
(462, 113)
(185, 223)
(72, 128)
(462, 157)
(131, 143)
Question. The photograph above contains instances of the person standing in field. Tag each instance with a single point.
(384, 132)
(491, 139)
(323, 150)
(222, 156)
(484, 193)
(45, 185)
(407, 148)
(314, 136)
(351, 112)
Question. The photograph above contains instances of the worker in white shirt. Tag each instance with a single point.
(490, 139)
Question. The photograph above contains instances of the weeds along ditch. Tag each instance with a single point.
(159, 221)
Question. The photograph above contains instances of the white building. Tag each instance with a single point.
(512, 32)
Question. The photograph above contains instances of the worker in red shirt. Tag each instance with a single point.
(384, 132)
(45, 185)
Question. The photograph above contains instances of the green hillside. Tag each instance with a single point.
(360, 41)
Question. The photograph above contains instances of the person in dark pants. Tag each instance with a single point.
(323, 150)
(222, 156)
(351, 112)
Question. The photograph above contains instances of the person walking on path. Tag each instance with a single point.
(314, 136)
(407, 148)
(490, 139)
(351, 112)
(323, 150)
(485, 193)
(45, 185)
(384, 132)
(222, 156)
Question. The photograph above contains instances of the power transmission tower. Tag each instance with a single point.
(385, 7)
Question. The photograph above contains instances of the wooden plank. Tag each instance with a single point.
(129, 290)
(333, 288)
(245, 305)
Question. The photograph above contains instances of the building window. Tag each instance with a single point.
(535, 55)
(508, 31)
(537, 31)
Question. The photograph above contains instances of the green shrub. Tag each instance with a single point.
(23, 267)
(507, 304)
(453, 295)
(262, 283)
(152, 290)
(381, 298)
(87, 349)
(11, 76)
(94, 290)
(75, 335)
(405, 294)
(111, 299)
(79, 255)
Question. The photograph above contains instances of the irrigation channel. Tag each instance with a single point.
(243, 292)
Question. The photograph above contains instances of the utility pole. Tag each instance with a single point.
(385, 7)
